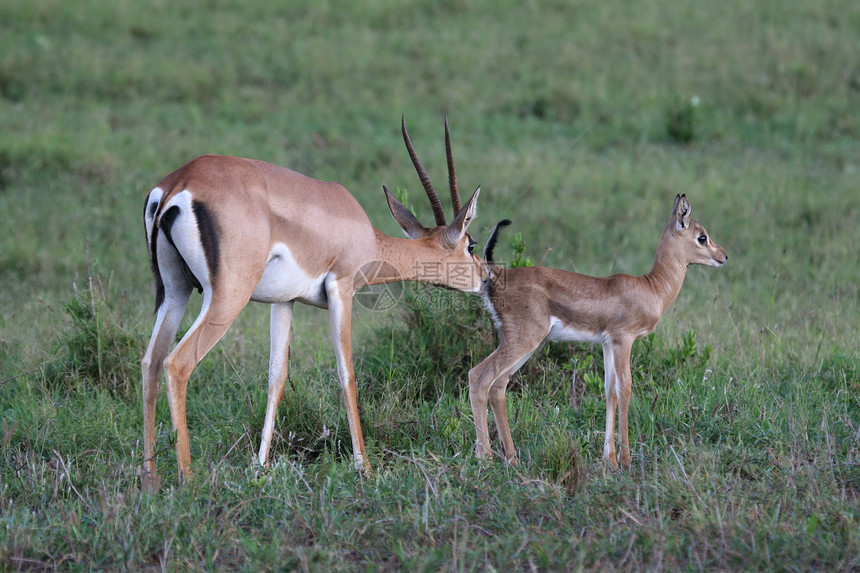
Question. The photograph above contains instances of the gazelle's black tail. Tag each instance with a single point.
(491, 242)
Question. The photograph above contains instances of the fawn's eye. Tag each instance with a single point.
(703, 239)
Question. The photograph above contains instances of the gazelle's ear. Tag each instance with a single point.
(464, 218)
(681, 212)
(404, 217)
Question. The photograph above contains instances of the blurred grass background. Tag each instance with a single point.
(581, 122)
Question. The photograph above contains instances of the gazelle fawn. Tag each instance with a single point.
(533, 305)
(241, 230)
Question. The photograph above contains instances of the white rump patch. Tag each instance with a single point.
(154, 198)
(186, 237)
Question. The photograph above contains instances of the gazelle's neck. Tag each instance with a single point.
(420, 260)
(666, 277)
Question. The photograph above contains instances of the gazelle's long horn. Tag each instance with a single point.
(438, 212)
(452, 177)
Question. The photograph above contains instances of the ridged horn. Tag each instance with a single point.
(452, 177)
(438, 212)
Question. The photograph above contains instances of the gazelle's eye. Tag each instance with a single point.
(471, 247)
(703, 239)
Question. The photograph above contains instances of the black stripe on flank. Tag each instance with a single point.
(208, 229)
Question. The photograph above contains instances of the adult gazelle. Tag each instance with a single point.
(242, 230)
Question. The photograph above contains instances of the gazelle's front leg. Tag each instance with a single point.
(623, 385)
(279, 328)
(609, 383)
(340, 317)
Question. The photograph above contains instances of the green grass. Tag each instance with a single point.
(581, 122)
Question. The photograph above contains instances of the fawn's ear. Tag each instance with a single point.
(404, 217)
(461, 222)
(681, 212)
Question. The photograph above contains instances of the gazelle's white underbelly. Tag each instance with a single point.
(284, 280)
(561, 332)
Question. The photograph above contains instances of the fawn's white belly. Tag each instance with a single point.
(561, 332)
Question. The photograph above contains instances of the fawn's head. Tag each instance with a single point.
(689, 239)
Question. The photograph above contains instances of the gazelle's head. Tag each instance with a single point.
(456, 265)
(689, 239)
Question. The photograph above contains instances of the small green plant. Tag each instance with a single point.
(446, 333)
(681, 121)
(95, 346)
(559, 458)
(583, 378)
(402, 195)
(443, 331)
(653, 355)
(518, 244)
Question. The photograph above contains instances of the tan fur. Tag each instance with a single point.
(534, 304)
(256, 206)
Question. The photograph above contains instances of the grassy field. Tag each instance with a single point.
(581, 121)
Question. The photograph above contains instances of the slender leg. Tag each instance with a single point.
(609, 382)
(481, 378)
(169, 314)
(185, 256)
(623, 385)
(500, 413)
(281, 319)
(495, 370)
(209, 327)
(166, 324)
(340, 318)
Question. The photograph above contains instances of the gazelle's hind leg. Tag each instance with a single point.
(500, 413)
(166, 324)
(217, 314)
(481, 379)
(188, 230)
(281, 319)
(487, 382)
(168, 317)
